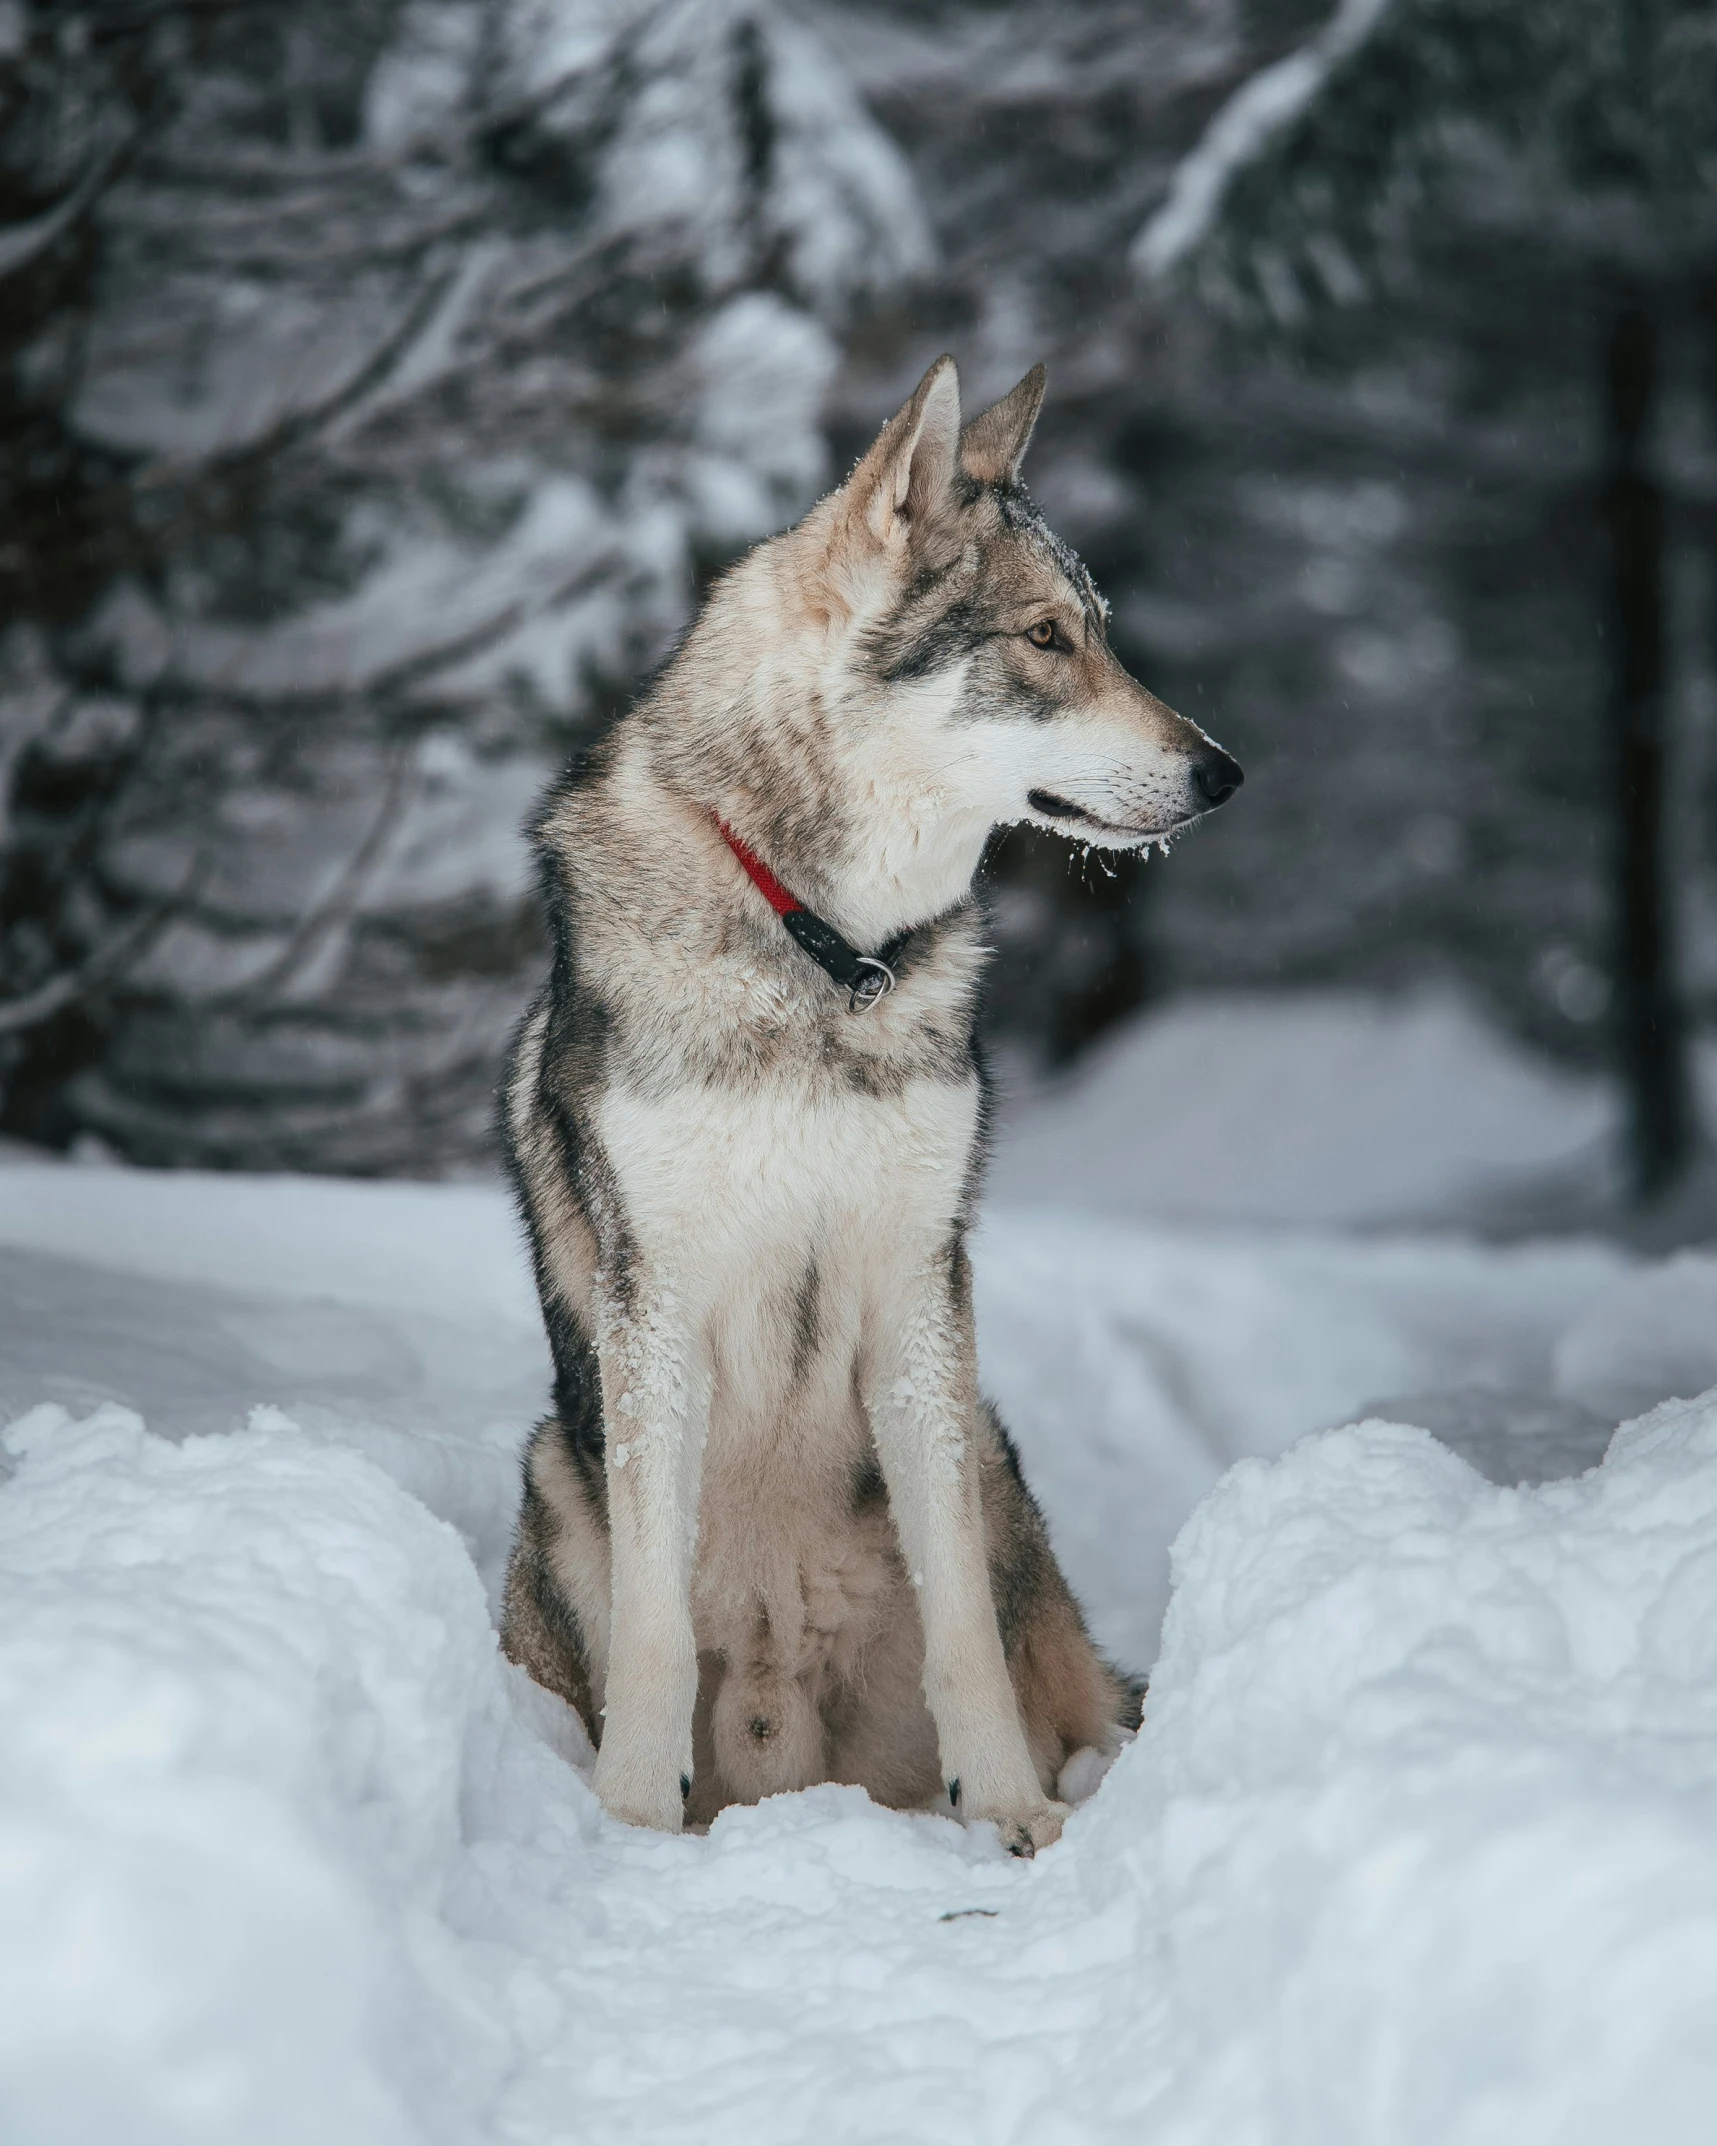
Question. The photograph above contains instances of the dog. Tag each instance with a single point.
(771, 1533)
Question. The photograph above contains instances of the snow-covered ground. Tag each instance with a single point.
(1419, 1842)
(1324, 1108)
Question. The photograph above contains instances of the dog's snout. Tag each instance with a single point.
(1217, 776)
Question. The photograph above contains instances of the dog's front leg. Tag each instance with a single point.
(922, 1401)
(655, 1411)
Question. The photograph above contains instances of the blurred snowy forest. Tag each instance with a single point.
(379, 383)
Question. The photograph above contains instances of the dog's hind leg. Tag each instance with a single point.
(655, 1394)
(554, 1617)
(540, 1625)
(1076, 1709)
(921, 1395)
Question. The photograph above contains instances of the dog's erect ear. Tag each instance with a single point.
(993, 445)
(907, 473)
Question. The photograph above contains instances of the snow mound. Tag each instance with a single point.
(1428, 1790)
(1417, 1842)
(238, 1675)
(1323, 1108)
(1653, 1335)
(1133, 1364)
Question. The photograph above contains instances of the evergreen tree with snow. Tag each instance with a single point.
(1366, 167)
(382, 379)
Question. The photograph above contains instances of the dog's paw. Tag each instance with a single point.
(663, 1814)
(1023, 1833)
(641, 1796)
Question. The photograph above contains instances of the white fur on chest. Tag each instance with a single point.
(722, 1182)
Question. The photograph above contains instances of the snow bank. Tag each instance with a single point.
(1314, 1109)
(238, 1675)
(1426, 1798)
(399, 1320)
(1417, 1842)
(1135, 1364)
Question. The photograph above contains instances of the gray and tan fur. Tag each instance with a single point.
(771, 1534)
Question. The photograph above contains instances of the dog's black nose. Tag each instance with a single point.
(1217, 777)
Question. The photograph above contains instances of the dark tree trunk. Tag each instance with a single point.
(1650, 1023)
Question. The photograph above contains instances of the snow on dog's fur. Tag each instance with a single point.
(771, 1534)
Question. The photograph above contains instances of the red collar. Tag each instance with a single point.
(864, 977)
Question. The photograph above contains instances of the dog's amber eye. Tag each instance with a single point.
(1044, 634)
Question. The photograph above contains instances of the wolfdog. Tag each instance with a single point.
(771, 1534)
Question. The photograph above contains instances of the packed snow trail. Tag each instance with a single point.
(1419, 1842)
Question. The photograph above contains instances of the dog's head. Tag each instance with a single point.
(982, 642)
